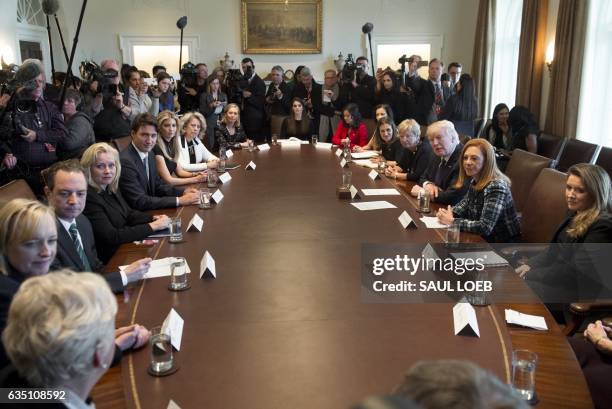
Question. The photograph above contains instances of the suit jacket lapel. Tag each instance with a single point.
(66, 242)
(143, 170)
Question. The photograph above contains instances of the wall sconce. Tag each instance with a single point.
(550, 54)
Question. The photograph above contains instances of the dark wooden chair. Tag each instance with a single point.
(16, 189)
(122, 142)
(574, 152)
(551, 147)
(605, 159)
(523, 170)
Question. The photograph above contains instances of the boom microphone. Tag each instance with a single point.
(181, 22)
(50, 7)
(367, 28)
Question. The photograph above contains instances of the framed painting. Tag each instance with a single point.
(282, 26)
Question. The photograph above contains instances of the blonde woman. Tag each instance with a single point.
(229, 133)
(192, 155)
(166, 150)
(28, 245)
(487, 208)
(416, 153)
(113, 221)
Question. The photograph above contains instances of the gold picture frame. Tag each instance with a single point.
(282, 27)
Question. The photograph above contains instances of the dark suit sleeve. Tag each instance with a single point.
(106, 231)
(167, 190)
(452, 195)
(135, 193)
(258, 91)
(422, 159)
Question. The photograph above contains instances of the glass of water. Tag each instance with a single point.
(346, 178)
(524, 365)
(315, 139)
(176, 234)
(178, 275)
(453, 235)
(274, 139)
(205, 198)
(212, 178)
(251, 145)
(382, 164)
(161, 352)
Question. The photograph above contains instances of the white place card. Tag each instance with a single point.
(251, 166)
(374, 205)
(374, 175)
(229, 153)
(526, 320)
(343, 163)
(405, 220)
(429, 253)
(225, 177)
(173, 326)
(172, 405)
(354, 193)
(338, 152)
(263, 147)
(207, 266)
(380, 192)
(196, 223)
(432, 222)
(217, 196)
(323, 145)
(464, 318)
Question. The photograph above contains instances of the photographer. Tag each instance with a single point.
(191, 86)
(357, 86)
(431, 94)
(113, 121)
(278, 96)
(166, 97)
(388, 92)
(32, 128)
(79, 125)
(311, 93)
(253, 101)
(330, 112)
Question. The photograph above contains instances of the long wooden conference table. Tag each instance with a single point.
(284, 324)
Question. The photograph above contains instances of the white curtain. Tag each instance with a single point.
(508, 15)
(595, 110)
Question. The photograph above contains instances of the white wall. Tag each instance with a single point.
(218, 25)
(8, 28)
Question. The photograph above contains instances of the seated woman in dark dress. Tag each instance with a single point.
(576, 264)
(524, 128)
(415, 155)
(166, 152)
(229, 133)
(498, 131)
(487, 208)
(113, 221)
(298, 124)
(387, 141)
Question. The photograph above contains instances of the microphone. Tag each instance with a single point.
(367, 28)
(50, 7)
(181, 22)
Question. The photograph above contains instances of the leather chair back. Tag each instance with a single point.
(122, 143)
(551, 147)
(370, 126)
(16, 189)
(605, 159)
(276, 122)
(545, 208)
(574, 152)
(523, 169)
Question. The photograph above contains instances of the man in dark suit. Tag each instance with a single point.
(440, 177)
(431, 94)
(312, 94)
(278, 97)
(140, 183)
(66, 191)
(359, 90)
(253, 102)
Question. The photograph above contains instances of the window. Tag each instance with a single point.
(595, 110)
(388, 55)
(508, 16)
(146, 51)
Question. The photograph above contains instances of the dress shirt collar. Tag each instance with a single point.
(66, 223)
(143, 155)
(74, 401)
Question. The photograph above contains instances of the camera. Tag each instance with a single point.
(236, 83)
(349, 69)
(189, 75)
(403, 60)
(91, 72)
(7, 78)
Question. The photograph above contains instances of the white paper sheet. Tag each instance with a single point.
(323, 145)
(366, 163)
(374, 205)
(526, 320)
(433, 223)
(364, 154)
(159, 268)
(380, 192)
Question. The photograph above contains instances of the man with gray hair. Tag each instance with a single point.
(440, 177)
(451, 384)
(278, 95)
(330, 109)
(31, 130)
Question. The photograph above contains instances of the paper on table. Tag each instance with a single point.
(433, 223)
(366, 163)
(374, 205)
(159, 267)
(380, 192)
(487, 258)
(172, 405)
(364, 154)
(323, 145)
(526, 320)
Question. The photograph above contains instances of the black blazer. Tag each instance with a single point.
(415, 163)
(278, 106)
(316, 96)
(114, 222)
(449, 174)
(67, 256)
(142, 193)
(253, 107)
(425, 97)
(363, 95)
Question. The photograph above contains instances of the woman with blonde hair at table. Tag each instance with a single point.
(487, 208)
(192, 154)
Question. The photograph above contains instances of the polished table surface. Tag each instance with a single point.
(284, 324)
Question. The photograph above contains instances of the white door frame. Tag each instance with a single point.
(128, 41)
(436, 41)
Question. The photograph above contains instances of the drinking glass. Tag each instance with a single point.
(178, 274)
(161, 351)
(205, 198)
(274, 139)
(315, 139)
(176, 234)
(212, 178)
(524, 365)
(251, 145)
(346, 178)
(453, 235)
